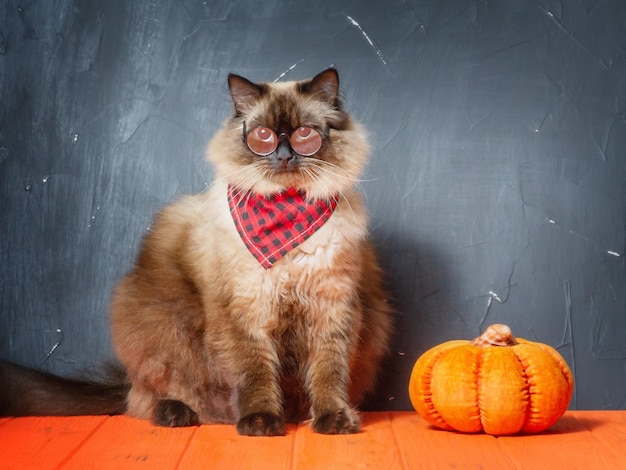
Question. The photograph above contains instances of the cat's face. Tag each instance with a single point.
(291, 134)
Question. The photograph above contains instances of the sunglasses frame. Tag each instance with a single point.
(245, 133)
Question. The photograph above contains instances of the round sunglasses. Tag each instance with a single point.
(263, 141)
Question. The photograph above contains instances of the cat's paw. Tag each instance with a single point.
(174, 414)
(261, 424)
(342, 421)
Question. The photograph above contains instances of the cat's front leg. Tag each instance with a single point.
(258, 394)
(328, 373)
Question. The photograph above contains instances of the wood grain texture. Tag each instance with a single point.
(219, 446)
(373, 448)
(390, 440)
(44, 442)
(424, 446)
(124, 442)
(569, 442)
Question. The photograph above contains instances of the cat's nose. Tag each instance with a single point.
(284, 152)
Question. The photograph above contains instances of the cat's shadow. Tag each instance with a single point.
(417, 277)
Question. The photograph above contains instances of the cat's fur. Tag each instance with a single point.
(206, 334)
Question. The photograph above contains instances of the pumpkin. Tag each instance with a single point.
(495, 384)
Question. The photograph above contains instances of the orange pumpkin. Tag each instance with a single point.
(496, 383)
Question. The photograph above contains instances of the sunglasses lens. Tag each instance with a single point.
(306, 141)
(262, 141)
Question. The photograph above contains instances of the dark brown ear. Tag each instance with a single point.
(324, 86)
(244, 92)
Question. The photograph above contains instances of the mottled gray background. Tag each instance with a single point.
(497, 185)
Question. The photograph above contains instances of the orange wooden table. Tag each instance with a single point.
(580, 440)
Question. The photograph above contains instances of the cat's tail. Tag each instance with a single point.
(28, 392)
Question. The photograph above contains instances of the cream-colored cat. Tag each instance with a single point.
(260, 301)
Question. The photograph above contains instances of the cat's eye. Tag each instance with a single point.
(263, 141)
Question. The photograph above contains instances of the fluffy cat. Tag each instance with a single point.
(224, 319)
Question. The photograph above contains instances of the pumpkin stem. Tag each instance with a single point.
(495, 335)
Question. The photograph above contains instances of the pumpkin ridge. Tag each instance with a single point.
(527, 387)
(544, 410)
(478, 381)
(565, 370)
(456, 399)
(547, 406)
(433, 413)
(420, 391)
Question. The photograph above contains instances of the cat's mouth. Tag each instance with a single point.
(286, 166)
(285, 160)
(288, 172)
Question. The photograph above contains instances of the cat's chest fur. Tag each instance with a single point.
(225, 271)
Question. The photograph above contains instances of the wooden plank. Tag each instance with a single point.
(569, 444)
(374, 447)
(43, 442)
(401, 440)
(609, 426)
(426, 447)
(123, 442)
(219, 446)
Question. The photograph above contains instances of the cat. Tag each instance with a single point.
(259, 301)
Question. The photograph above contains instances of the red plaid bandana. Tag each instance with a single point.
(271, 227)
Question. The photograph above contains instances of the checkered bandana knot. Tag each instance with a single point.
(271, 227)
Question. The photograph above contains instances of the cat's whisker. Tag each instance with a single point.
(327, 166)
(345, 198)
(316, 178)
(249, 176)
(318, 172)
(323, 164)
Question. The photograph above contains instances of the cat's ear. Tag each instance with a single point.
(244, 92)
(324, 86)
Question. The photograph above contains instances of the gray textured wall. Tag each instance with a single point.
(496, 188)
